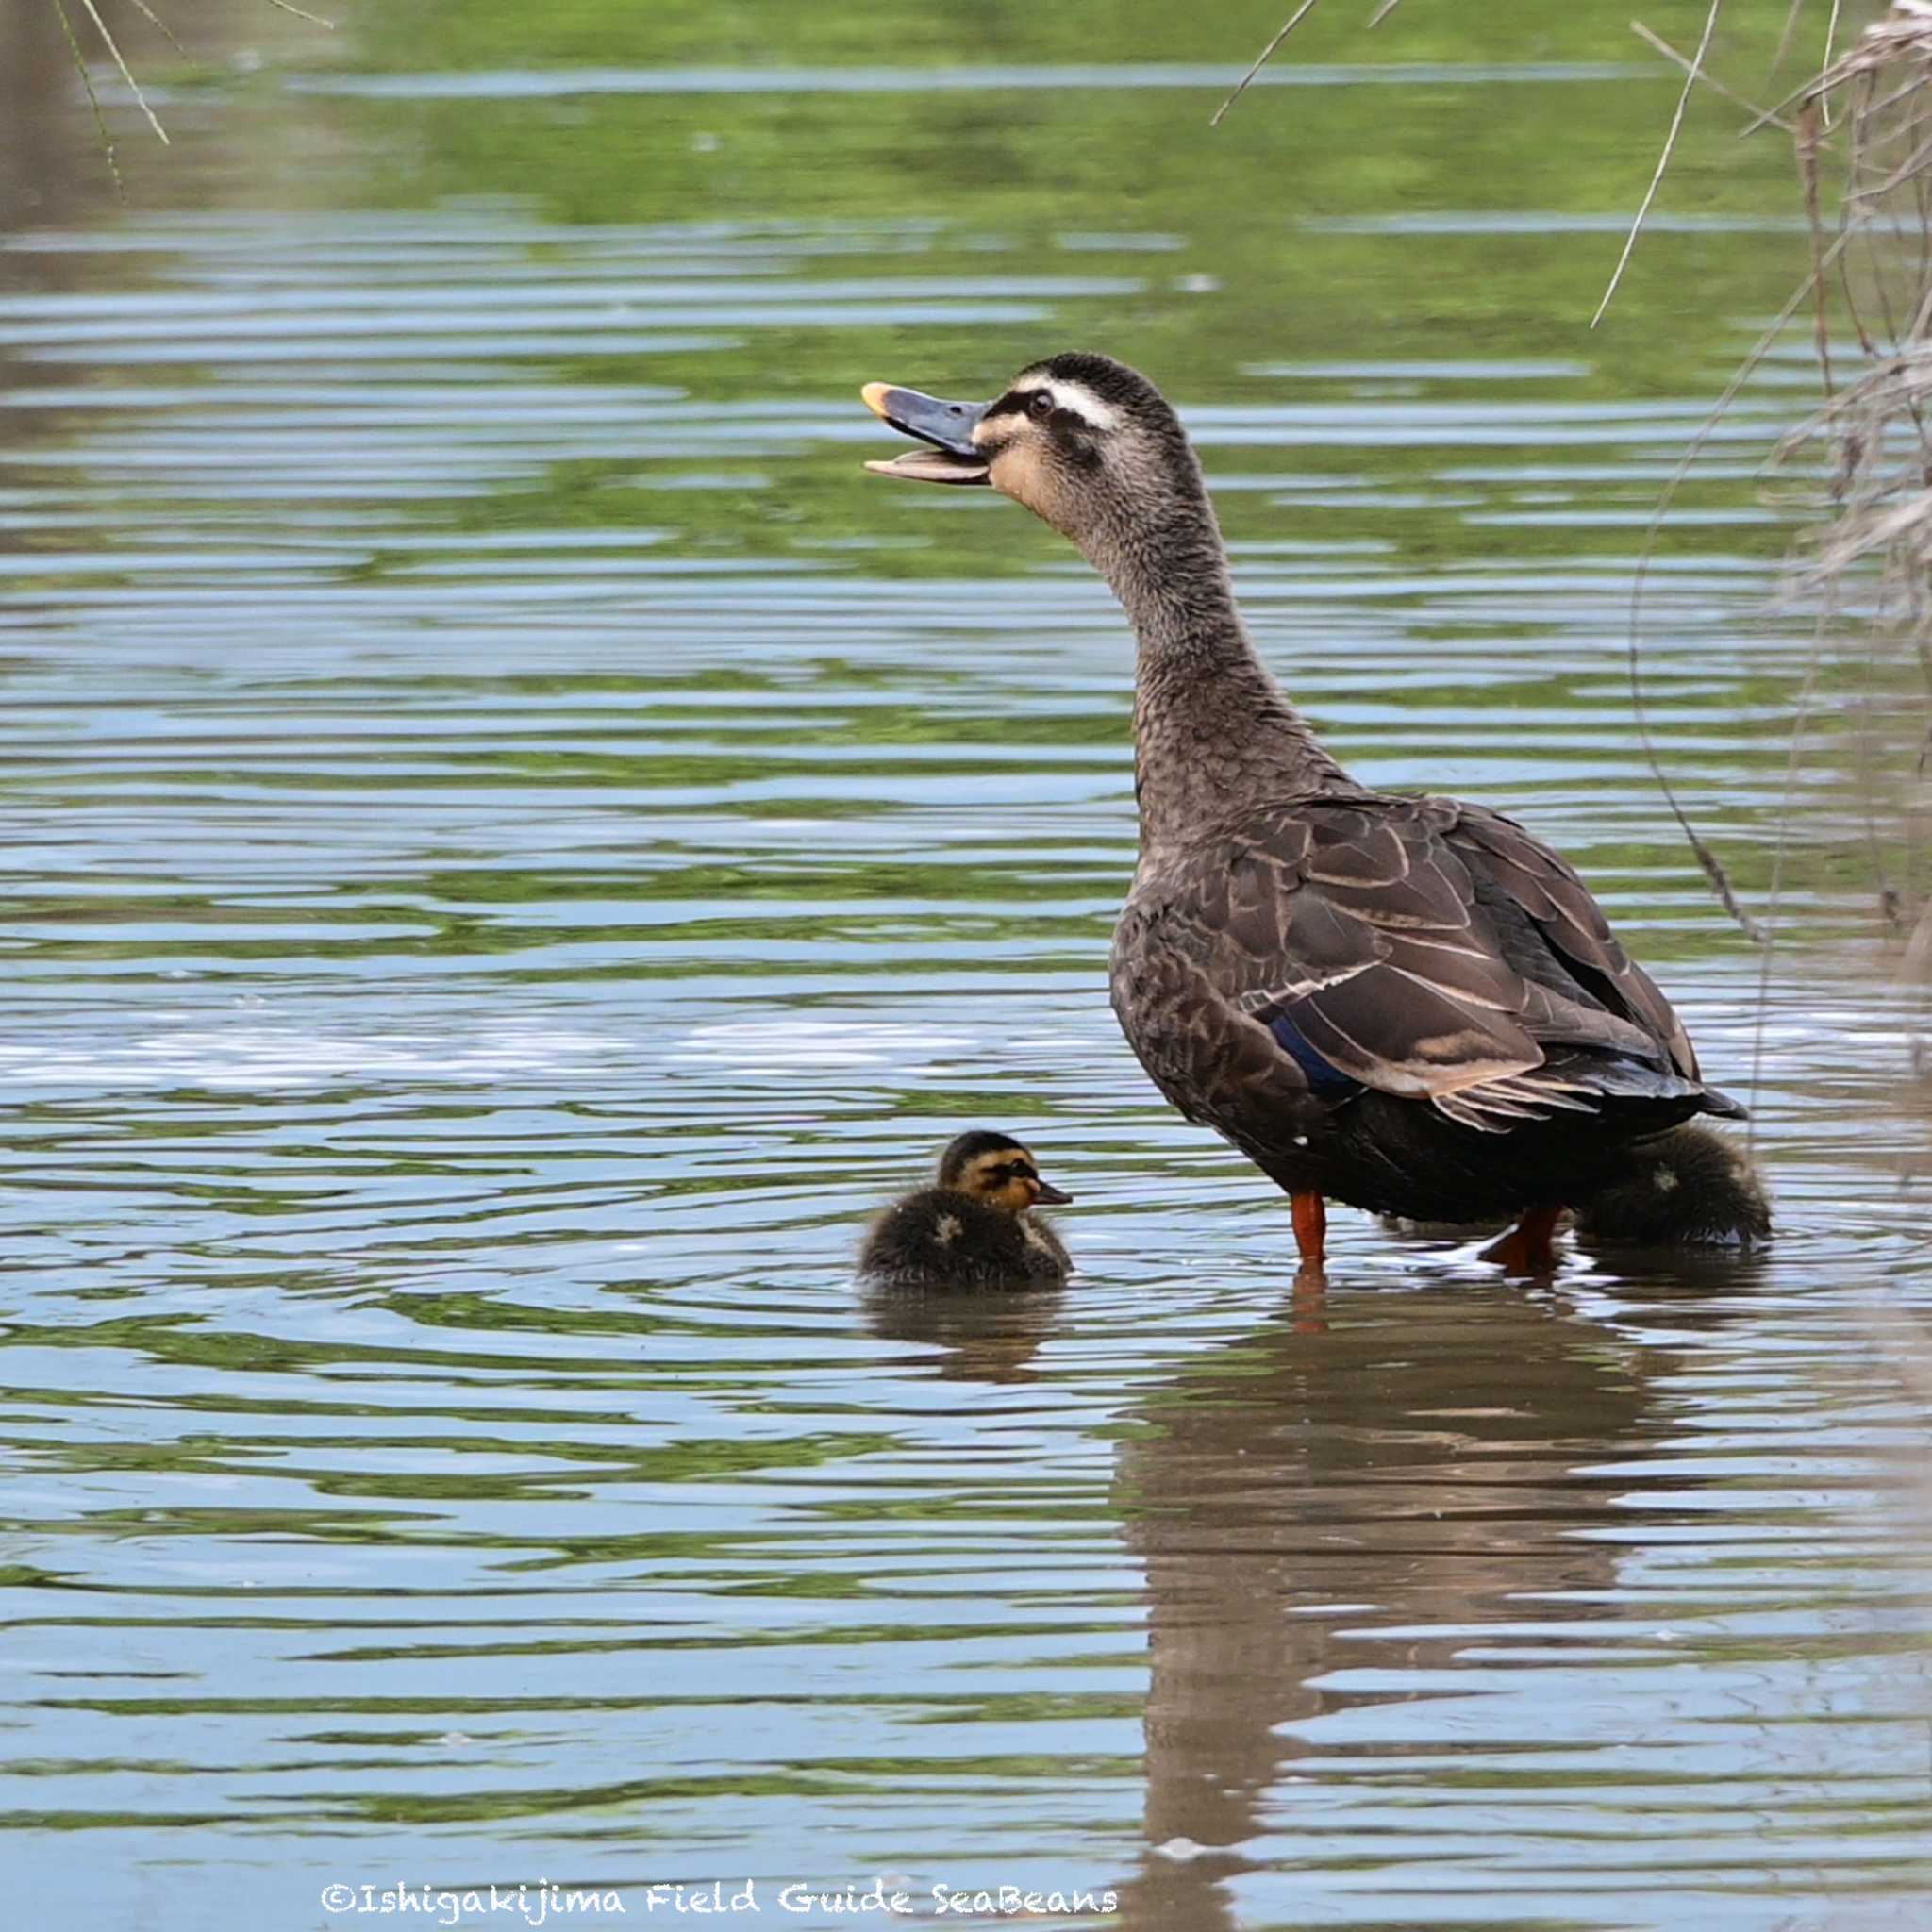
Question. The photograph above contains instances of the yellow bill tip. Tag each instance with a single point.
(874, 396)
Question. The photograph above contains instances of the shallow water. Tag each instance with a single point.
(514, 843)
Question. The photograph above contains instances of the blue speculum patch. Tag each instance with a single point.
(1323, 1079)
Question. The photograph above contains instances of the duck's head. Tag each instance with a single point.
(1084, 441)
(997, 1170)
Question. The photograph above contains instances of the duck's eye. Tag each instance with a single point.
(1041, 406)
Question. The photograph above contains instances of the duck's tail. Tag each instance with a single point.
(1690, 1186)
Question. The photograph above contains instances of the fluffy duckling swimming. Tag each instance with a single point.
(1689, 1187)
(975, 1227)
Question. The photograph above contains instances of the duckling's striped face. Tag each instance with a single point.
(1009, 1181)
(997, 1170)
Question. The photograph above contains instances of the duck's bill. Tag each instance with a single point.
(932, 466)
(1051, 1196)
(945, 427)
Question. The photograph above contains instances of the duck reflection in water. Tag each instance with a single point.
(1362, 1460)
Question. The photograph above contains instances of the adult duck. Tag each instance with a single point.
(1407, 1003)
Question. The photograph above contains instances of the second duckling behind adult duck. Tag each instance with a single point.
(1691, 1188)
(975, 1228)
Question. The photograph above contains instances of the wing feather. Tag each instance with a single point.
(1572, 921)
(1434, 950)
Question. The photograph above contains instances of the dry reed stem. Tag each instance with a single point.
(1710, 80)
(1874, 429)
(313, 19)
(1866, 566)
(94, 100)
(1663, 160)
(1288, 27)
(94, 13)
(1784, 39)
(1830, 41)
(154, 19)
(1713, 871)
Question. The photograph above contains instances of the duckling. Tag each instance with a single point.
(1409, 1004)
(1689, 1187)
(975, 1226)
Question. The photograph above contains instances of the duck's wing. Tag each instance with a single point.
(1434, 950)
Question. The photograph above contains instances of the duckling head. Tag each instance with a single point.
(1085, 442)
(997, 1170)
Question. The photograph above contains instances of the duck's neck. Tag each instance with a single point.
(1211, 728)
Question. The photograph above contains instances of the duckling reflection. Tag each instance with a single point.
(976, 1337)
(975, 1227)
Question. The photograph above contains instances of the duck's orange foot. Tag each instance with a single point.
(1527, 1248)
(1311, 1227)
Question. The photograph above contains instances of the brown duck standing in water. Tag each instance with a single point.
(1407, 1003)
(975, 1228)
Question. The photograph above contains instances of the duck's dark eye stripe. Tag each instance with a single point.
(1026, 402)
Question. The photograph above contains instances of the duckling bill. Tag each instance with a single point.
(1407, 1002)
(975, 1227)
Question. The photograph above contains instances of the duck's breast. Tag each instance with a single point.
(1209, 1059)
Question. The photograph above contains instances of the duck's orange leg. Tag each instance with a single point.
(1310, 1227)
(1527, 1248)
